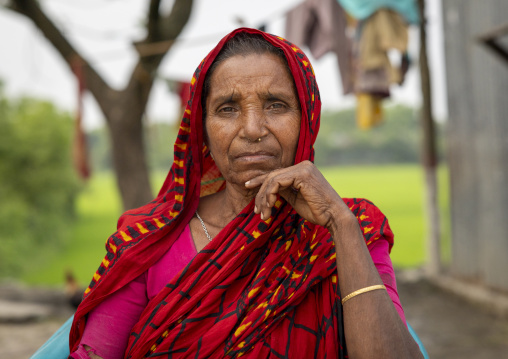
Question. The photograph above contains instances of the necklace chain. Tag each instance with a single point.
(204, 227)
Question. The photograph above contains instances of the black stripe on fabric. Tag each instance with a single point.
(117, 241)
(214, 262)
(291, 319)
(183, 138)
(101, 270)
(110, 256)
(185, 295)
(273, 351)
(200, 342)
(170, 349)
(382, 229)
(365, 223)
(177, 189)
(179, 172)
(149, 225)
(169, 353)
(149, 320)
(307, 329)
(224, 286)
(263, 226)
(198, 319)
(221, 306)
(143, 214)
(132, 232)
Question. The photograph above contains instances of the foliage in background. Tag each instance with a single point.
(37, 183)
(395, 140)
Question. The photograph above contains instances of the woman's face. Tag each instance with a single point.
(252, 97)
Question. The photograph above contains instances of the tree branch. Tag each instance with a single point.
(94, 82)
(164, 29)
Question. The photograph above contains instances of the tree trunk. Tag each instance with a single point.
(429, 156)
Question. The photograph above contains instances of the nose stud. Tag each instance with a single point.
(259, 139)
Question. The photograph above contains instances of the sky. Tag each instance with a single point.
(105, 29)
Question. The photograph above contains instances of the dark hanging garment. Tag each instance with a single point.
(321, 26)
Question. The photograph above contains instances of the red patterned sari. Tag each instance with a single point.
(261, 288)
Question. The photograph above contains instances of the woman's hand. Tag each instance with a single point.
(305, 188)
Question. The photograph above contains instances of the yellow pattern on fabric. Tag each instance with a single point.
(288, 244)
(142, 229)
(113, 247)
(158, 223)
(125, 236)
(253, 292)
(241, 329)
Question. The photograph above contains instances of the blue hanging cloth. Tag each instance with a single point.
(362, 9)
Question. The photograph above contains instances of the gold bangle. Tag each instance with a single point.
(360, 291)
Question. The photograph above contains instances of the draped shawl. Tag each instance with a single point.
(261, 288)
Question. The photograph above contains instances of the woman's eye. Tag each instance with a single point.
(277, 105)
(226, 109)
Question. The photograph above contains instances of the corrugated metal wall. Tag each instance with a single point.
(477, 138)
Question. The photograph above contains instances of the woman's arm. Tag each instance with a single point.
(372, 325)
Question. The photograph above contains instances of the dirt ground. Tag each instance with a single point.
(448, 326)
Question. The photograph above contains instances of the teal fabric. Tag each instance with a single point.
(57, 347)
(418, 341)
(362, 9)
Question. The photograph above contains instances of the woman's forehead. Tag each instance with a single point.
(255, 70)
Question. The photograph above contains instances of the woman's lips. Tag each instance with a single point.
(254, 156)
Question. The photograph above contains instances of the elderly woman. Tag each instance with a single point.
(247, 250)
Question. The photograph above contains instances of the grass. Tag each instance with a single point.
(397, 190)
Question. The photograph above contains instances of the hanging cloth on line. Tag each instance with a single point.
(362, 9)
(321, 26)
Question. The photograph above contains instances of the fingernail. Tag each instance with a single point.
(247, 183)
(268, 204)
(255, 209)
(262, 217)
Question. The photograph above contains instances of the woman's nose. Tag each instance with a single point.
(253, 124)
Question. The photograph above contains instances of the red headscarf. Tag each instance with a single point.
(260, 288)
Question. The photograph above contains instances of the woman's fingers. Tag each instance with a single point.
(284, 181)
(270, 185)
(303, 186)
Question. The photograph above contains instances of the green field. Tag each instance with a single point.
(397, 190)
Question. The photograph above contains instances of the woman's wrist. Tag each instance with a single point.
(341, 220)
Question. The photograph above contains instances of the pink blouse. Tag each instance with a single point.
(118, 313)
